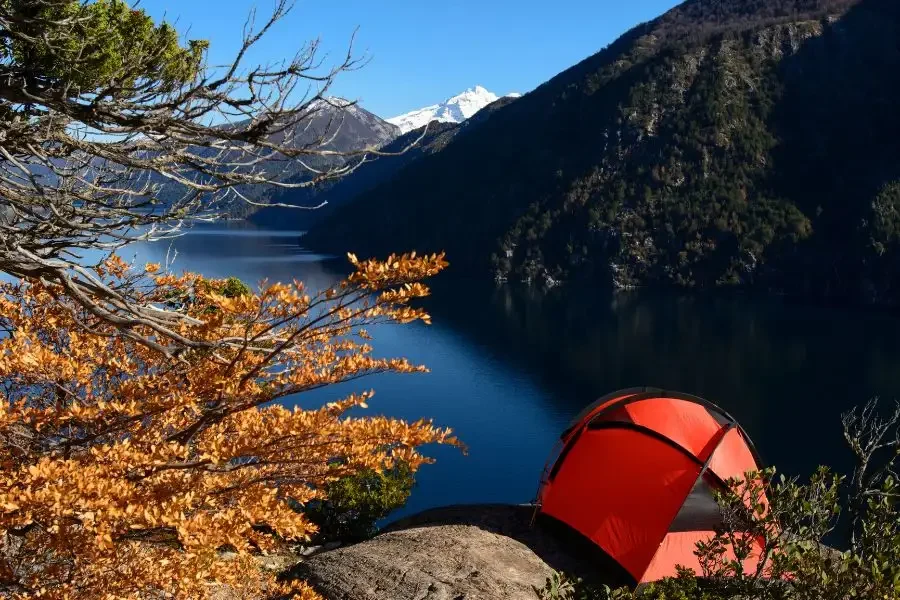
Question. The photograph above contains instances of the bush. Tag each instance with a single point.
(355, 504)
(560, 587)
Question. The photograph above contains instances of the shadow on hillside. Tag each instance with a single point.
(838, 132)
(557, 545)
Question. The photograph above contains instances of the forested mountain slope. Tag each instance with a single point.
(747, 142)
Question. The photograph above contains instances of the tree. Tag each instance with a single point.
(125, 473)
(140, 431)
(104, 113)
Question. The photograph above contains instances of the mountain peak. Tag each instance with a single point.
(477, 90)
(453, 110)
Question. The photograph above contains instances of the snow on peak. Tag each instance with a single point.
(453, 110)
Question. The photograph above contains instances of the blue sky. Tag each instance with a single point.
(422, 52)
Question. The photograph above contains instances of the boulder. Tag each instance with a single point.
(457, 553)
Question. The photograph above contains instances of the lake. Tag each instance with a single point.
(510, 366)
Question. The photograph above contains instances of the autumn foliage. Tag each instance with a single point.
(127, 474)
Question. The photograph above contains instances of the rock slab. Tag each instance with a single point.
(451, 562)
(485, 552)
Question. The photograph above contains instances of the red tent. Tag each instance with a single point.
(635, 476)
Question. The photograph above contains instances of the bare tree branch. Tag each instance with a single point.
(91, 162)
(875, 443)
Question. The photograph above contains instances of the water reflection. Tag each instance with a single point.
(786, 371)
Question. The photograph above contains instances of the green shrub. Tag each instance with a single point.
(233, 288)
(355, 504)
(560, 587)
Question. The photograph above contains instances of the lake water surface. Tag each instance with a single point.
(511, 366)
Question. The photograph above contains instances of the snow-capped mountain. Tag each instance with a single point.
(454, 110)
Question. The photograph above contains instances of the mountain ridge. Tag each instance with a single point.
(344, 125)
(331, 195)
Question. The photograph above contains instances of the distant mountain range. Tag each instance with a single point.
(336, 193)
(347, 127)
(728, 142)
(453, 110)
